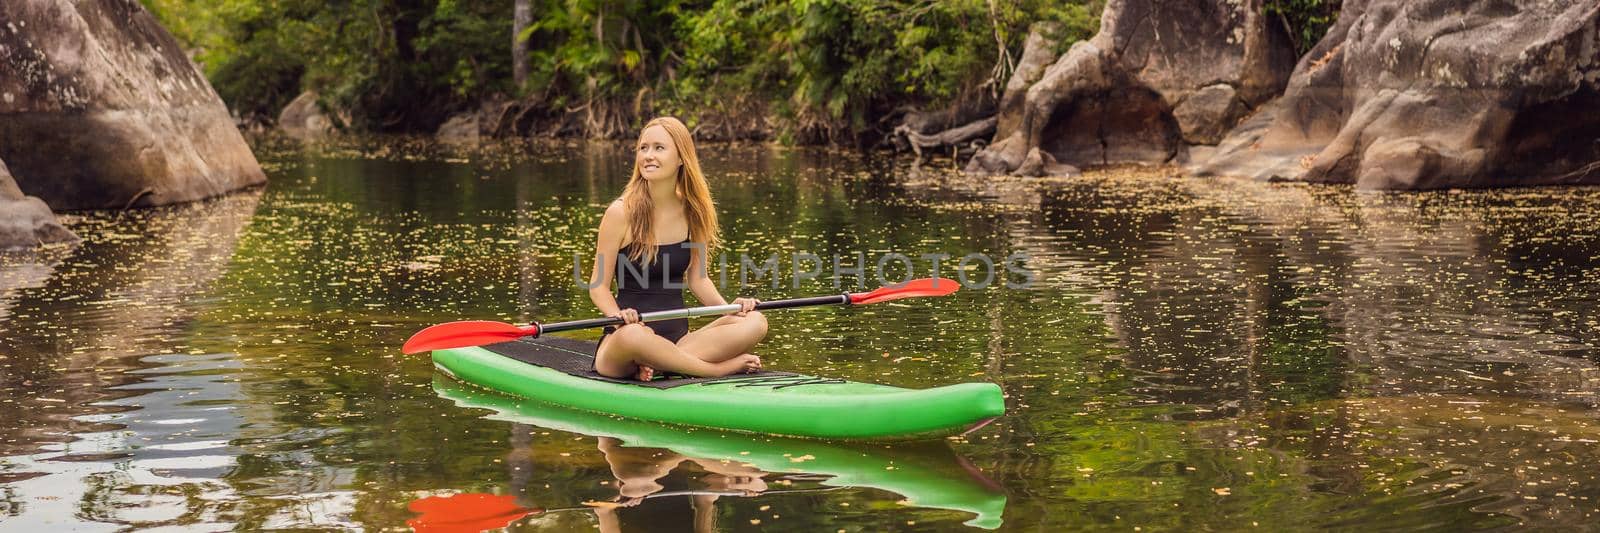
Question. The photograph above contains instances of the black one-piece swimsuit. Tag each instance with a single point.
(659, 288)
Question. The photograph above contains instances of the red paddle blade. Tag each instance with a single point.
(466, 513)
(913, 288)
(463, 334)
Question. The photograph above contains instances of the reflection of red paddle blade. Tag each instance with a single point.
(465, 513)
(913, 288)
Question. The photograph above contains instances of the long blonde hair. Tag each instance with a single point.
(691, 186)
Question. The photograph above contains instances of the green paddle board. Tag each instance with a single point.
(558, 371)
(927, 475)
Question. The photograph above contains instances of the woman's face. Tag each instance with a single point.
(656, 156)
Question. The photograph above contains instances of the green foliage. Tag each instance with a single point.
(393, 64)
(821, 70)
(830, 68)
(600, 58)
(1306, 20)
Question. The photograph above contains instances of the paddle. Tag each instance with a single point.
(472, 512)
(480, 332)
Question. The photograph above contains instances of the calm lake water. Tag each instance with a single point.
(1190, 355)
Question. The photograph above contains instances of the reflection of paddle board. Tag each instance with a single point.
(927, 475)
(558, 370)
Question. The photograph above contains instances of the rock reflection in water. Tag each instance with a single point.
(1389, 352)
(157, 457)
(1244, 281)
(80, 322)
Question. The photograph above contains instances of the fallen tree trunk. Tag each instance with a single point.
(952, 138)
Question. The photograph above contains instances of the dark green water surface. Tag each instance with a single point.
(1189, 355)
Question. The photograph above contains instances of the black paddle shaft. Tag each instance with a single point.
(835, 299)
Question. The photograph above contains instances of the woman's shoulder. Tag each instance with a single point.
(614, 224)
(616, 212)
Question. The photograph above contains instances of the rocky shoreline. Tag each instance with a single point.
(102, 109)
(1399, 95)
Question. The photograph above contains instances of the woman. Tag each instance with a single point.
(654, 239)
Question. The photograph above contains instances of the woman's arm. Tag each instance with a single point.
(612, 231)
(700, 279)
(706, 291)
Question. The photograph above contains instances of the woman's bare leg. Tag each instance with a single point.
(638, 470)
(635, 345)
(705, 513)
(725, 338)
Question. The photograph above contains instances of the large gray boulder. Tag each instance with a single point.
(1160, 76)
(460, 128)
(25, 222)
(303, 118)
(1427, 94)
(100, 108)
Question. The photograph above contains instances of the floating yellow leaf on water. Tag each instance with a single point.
(1222, 491)
(802, 459)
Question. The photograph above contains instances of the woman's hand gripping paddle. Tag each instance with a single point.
(480, 332)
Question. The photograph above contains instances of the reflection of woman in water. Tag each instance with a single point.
(638, 471)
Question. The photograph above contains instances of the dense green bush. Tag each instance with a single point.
(831, 68)
(393, 65)
(814, 70)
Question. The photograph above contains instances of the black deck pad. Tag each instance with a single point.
(576, 357)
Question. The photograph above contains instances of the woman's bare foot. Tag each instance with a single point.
(746, 363)
(740, 364)
(645, 373)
